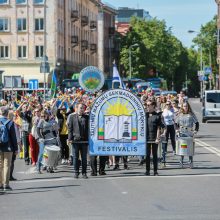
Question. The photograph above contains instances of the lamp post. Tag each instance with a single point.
(201, 65)
(134, 45)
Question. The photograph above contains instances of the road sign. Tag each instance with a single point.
(33, 84)
(44, 67)
(200, 73)
(208, 70)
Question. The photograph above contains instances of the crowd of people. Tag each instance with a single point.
(33, 123)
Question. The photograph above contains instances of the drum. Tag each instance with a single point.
(185, 146)
(52, 152)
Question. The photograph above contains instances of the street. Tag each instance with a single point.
(125, 194)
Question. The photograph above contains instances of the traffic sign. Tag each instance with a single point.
(33, 84)
(208, 70)
(200, 73)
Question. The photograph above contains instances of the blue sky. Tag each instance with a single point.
(181, 15)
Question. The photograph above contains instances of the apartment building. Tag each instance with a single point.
(64, 31)
(218, 44)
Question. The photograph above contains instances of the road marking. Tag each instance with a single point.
(113, 178)
(208, 147)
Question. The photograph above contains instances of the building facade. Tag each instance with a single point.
(218, 44)
(124, 16)
(64, 31)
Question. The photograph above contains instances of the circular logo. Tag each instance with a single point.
(91, 79)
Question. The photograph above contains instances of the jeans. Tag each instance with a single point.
(41, 154)
(82, 149)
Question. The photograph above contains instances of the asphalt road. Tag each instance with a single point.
(125, 194)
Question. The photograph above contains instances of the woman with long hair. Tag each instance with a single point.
(185, 122)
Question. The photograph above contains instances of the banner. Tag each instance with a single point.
(91, 79)
(117, 124)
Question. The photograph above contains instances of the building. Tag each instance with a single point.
(64, 31)
(106, 33)
(218, 44)
(124, 15)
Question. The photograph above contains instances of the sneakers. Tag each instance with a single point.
(191, 165)
(7, 188)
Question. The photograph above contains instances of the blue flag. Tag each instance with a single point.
(116, 77)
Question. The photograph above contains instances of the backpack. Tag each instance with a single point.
(4, 132)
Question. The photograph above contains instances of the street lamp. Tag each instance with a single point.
(134, 45)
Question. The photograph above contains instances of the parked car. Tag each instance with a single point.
(211, 105)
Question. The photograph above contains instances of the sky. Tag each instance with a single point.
(181, 15)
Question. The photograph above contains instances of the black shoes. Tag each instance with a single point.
(102, 173)
(126, 167)
(76, 176)
(84, 176)
(7, 188)
(12, 178)
(116, 167)
(147, 173)
(93, 174)
(156, 173)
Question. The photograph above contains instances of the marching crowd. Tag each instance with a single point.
(31, 123)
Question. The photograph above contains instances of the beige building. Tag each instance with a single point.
(65, 30)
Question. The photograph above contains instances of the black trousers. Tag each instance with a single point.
(170, 133)
(102, 162)
(64, 147)
(26, 144)
(12, 164)
(124, 158)
(152, 147)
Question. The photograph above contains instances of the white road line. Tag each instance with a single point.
(208, 147)
(113, 178)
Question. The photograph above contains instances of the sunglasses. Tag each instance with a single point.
(168, 104)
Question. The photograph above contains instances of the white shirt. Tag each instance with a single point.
(168, 116)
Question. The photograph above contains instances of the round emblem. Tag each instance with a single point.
(91, 79)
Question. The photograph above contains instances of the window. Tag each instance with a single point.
(39, 51)
(21, 2)
(4, 52)
(22, 51)
(4, 24)
(21, 24)
(38, 2)
(2, 2)
(39, 24)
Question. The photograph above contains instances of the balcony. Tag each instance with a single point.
(74, 15)
(84, 20)
(111, 31)
(93, 48)
(93, 25)
(74, 40)
(84, 44)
